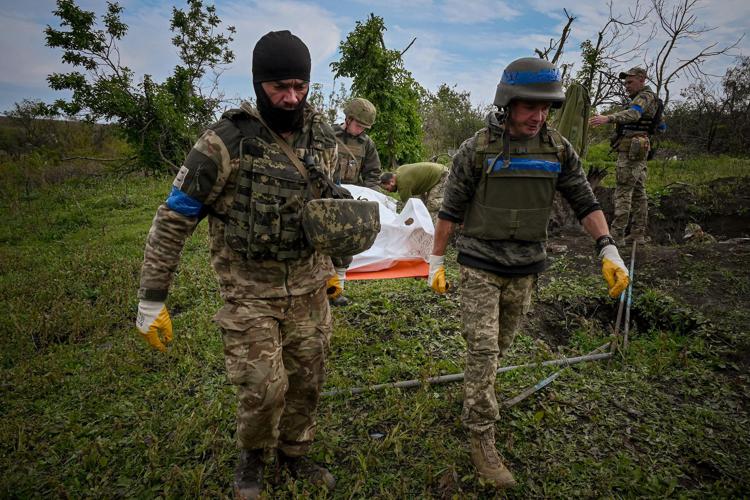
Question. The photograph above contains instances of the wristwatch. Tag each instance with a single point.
(603, 241)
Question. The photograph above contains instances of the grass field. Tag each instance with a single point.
(88, 410)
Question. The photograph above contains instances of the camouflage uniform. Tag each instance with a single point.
(358, 160)
(633, 148)
(497, 276)
(276, 322)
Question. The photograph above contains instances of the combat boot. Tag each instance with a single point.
(304, 468)
(488, 463)
(248, 475)
(341, 301)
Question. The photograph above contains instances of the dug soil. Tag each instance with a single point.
(708, 280)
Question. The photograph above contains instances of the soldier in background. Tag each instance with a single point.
(358, 164)
(501, 187)
(424, 180)
(246, 175)
(634, 124)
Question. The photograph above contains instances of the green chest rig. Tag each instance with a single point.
(516, 187)
(351, 157)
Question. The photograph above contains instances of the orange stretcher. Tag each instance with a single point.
(402, 269)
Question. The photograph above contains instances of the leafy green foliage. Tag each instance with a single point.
(378, 74)
(448, 119)
(159, 120)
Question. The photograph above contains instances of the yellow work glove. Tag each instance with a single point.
(614, 270)
(153, 320)
(436, 276)
(335, 284)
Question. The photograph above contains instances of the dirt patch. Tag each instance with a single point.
(721, 207)
(691, 284)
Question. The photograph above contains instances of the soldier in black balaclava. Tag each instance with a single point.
(275, 322)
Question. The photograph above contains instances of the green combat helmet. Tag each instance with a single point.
(361, 110)
(532, 79)
(341, 227)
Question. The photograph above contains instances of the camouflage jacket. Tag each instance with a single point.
(207, 184)
(358, 160)
(643, 104)
(507, 257)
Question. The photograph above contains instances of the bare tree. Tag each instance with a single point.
(679, 23)
(617, 43)
(556, 45)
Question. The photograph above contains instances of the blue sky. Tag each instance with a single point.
(461, 42)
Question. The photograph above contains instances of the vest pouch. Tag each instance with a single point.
(264, 236)
(639, 147)
(348, 169)
(339, 227)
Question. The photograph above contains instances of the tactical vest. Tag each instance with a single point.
(350, 161)
(514, 201)
(265, 219)
(648, 121)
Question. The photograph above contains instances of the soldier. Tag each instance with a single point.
(359, 164)
(358, 161)
(632, 144)
(245, 173)
(425, 180)
(501, 187)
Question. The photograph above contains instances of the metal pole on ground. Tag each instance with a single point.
(456, 377)
(546, 381)
(630, 299)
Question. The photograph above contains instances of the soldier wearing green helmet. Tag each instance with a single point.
(359, 164)
(501, 188)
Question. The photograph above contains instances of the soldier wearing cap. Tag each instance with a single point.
(633, 144)
(245, 174)
(501, 187)
(358, 164)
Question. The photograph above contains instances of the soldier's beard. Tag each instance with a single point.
(280, 120)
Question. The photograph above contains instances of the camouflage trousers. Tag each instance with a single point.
(433, 198)
(274, 351)
(492, 309)
(630, 196)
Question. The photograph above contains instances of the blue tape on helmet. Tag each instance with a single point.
(527, 77)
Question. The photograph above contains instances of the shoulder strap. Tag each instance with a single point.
(284, 147)
(341, 143)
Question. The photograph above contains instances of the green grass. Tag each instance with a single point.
(90, 411)
(664, 173)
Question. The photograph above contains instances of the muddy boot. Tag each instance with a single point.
(304, 468)
(248, 475)
(486, 460)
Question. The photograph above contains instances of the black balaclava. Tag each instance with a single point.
(279, 55)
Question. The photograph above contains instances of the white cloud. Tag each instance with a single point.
(476, 11)
(313, 24)
(26, 60)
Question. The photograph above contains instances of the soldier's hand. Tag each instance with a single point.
(597, 120)
(334, 287)
(154, 323)
(436, 276)
(614, 270)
